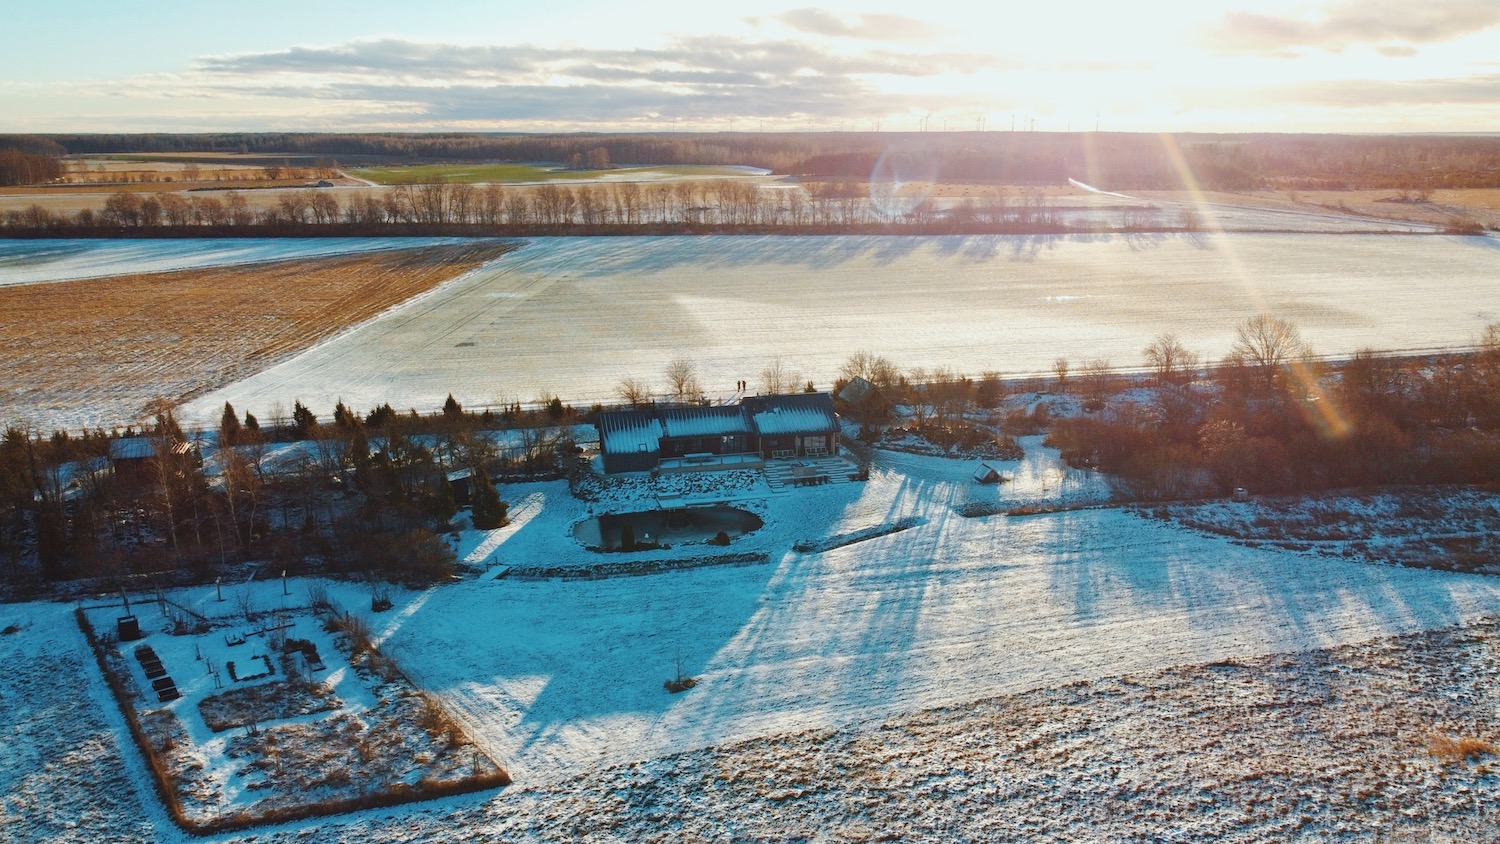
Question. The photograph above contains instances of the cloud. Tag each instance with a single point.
(706, 58)
(865, 27)
(1468, 91)
(1353, 22)
(701, 79)
(706, 78)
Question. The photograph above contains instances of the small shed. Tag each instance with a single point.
(986, 474)
(458, 481)
(855, 391)
(132, 457)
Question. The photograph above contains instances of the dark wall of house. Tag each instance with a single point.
(643, 461)
(680, 446)
(796, 443)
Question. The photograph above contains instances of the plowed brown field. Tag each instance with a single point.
(95, 352)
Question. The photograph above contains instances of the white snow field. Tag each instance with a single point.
(561, 679)
(41, 261)
(575, 316)
(555, 677)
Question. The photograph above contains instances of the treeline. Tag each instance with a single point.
(367, 493)
(712, 205)
(1108, 160)
(26, 168)
(1273, 419)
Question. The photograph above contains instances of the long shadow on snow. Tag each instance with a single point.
(547, 655)
(1283, 601)
(602, 257)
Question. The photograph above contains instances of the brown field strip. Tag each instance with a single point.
(95, 352)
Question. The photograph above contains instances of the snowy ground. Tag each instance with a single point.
(950, 610)
(837, 689)
(1427, 527)
(576, 316)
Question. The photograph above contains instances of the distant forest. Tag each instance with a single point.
(1108, 160)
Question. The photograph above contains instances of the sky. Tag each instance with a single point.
(665, 65)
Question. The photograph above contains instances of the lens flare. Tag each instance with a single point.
(901, 182)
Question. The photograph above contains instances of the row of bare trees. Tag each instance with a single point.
(684, 386)
(724, 203)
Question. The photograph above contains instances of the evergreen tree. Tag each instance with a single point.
(229, 427)
(380, 416)
(51, 542)
(452, 410)
(443, 506)
(359, 455)
(303, 421)
(251, 423)
(168, 429)
(343, 417)
(488, 511)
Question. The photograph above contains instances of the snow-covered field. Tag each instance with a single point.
(39, 261)
(575, 316)
(563, 676)
(853, 673)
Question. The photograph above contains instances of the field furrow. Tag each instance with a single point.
(96, 352)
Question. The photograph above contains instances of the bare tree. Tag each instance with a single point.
(682, 379)
(1268, 343)
(492, 205)
(778, 377)
(1096, 378)
(238, 209)
(1060, 367)
(324, 207)
(176, 209)
(634, 392)
(872, 367)
(628, 196)
(1169, 359)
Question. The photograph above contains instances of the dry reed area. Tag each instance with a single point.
(95, 352)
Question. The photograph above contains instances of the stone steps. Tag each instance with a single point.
(779, 473)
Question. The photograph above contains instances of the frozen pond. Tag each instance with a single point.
(37, 261)
(575, 316)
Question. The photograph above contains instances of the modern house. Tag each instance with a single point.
(759, 428)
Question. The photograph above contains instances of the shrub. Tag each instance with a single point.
(1451, 751)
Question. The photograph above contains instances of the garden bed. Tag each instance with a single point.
(231, 754)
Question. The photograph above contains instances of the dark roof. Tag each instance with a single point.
(637, 431)
(142, 448)
(856, 389)
(794, 413)
(629, 431)
(132, 448)
(705, 421)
